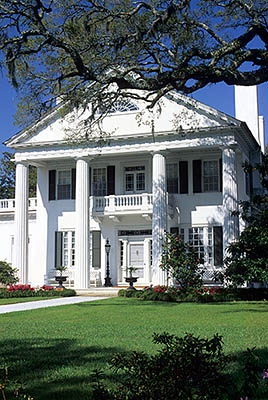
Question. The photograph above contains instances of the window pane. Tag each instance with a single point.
(196, 241)
(73, 249)
(140, 181)
(172, 178)
(64, 185)
(210, 176)
(65, 249)
(99, 182)
(129, 182)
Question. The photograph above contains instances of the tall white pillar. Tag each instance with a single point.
(21, 222)
(82, 225)
(159, 218)
(230, 197)
(147, 260)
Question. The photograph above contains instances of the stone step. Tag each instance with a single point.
(101, 291)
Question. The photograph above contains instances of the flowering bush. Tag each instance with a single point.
(181, 262)
(160, 289)
(47, 288)
(28, 291)
(23, 288)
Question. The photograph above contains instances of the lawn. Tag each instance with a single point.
(54, 350)
(15, 300)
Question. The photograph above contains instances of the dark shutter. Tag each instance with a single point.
(220, 172)
(73, 182)
(183, 170)
(197, 175)
(96, 249)
(58, 249)
(218, 246)
(251, 182)
(174, 230)
(110, 180)
(52, 184)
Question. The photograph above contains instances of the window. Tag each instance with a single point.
(207, 176)
(172, 178)
(208, 243)
(61, 184)
(65, 249)
(196, 240)
(135, 179)
(64, 185)
(210, 176)
(99, 182)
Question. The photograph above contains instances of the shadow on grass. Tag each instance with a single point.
(121, 301)
(57, 369)
(54, 368)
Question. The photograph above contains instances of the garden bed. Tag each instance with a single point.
(198, 295)
(18, 291)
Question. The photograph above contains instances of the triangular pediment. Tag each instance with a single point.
(173, 113)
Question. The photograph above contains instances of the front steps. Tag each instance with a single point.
(99, 291)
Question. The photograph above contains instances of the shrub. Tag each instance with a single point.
(181, 262)
(10, 389)
(7, 274)
(185, 368)
(28, 291)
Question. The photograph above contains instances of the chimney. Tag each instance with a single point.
(246, 110)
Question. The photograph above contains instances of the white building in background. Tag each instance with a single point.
(178, 170)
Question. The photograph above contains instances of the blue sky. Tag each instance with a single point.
(219, 96)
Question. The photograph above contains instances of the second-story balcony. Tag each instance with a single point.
(7, 206)
(126, 204)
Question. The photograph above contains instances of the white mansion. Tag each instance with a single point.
(178, 170)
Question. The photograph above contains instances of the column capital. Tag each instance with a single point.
(24, 163)
(83, 158)
(233, 147)
(162, 152)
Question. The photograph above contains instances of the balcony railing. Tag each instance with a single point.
(136, 203)
(8, 205)
(123, 202)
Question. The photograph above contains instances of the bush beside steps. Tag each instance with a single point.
(28, 291)
(199, 295)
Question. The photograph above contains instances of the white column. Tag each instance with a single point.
(229, 192)
(159, 218)
(21, 222)
(82, 225)
(147, 260)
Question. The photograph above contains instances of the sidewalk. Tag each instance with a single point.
(32, 305)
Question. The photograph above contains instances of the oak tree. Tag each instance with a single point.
(96, 51)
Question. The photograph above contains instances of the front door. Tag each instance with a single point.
(136, 259)
(135, 253)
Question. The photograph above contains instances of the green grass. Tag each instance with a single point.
(16, 300)
(54, 350)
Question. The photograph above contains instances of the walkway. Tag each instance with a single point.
(31, 305)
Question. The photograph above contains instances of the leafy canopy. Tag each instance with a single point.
(7, 177)
(79, 50)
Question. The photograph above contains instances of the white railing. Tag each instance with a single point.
(8, 205)
(123, 202)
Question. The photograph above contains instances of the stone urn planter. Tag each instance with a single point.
(131, 280)
(60, 279)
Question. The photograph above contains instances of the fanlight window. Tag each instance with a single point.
(122, 105)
